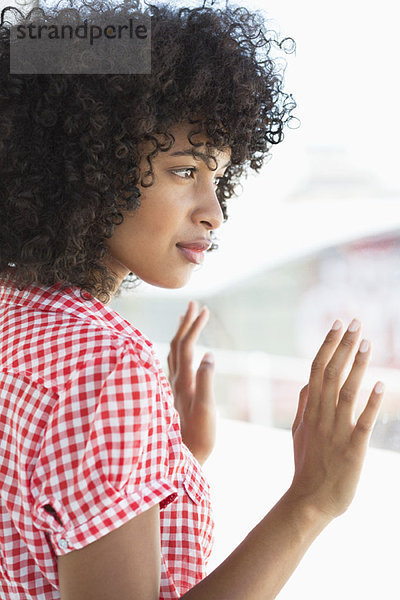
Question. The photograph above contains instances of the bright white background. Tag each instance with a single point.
(355, 557)
(344, 78)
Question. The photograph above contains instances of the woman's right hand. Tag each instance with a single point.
(329, 447)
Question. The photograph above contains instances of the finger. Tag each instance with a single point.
(350, 388)
(186, 347)
(366, 421)
(333, 374)
(317, 369)
(300, 408)
(185, 322)
(204, 382)
(190, 314)
(170, 371)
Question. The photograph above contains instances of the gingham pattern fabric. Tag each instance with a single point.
(89, 439)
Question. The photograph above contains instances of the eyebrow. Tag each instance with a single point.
(195, 154)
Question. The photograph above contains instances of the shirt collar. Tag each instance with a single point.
(53, 299)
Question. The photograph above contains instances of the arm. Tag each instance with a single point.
(125, 564)
(260, 566)
(122, 565)
(329, 451)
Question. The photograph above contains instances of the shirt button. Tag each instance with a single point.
(63, 544)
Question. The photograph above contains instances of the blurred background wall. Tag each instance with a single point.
(315, 235)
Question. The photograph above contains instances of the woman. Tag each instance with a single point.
(102, 491)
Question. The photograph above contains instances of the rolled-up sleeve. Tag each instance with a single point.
(104, 454)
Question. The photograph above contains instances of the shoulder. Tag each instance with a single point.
(53, 337)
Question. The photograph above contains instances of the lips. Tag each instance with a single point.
(201, 245)
(194, 251)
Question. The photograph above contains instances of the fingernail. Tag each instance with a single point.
(354, 326)
(379, 387)
(364, 346)
(208, 358)
(337, 325)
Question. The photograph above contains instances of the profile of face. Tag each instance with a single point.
(178, 209)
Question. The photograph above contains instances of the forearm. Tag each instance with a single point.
(260, 566)
(329, 452)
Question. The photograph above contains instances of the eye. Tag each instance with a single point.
(192, 170)
(185, 170)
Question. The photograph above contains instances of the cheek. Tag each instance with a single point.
(123, 236)
(163, 220)
(160, 215)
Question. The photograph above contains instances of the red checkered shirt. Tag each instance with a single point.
(89, 439)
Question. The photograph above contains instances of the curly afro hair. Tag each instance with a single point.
(69, 143)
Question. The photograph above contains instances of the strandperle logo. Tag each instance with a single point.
(106, 45)
(55, 32)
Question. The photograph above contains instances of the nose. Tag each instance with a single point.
(208, 210)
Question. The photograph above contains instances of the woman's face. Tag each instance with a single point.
(179, 208)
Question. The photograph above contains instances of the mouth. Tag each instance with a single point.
(193, 256)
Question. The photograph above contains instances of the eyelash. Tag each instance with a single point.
(194, 170)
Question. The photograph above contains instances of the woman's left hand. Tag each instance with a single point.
(193, 394)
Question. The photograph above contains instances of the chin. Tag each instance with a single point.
(171, 286)
(172, 283)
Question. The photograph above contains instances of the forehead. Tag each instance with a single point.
(181, 132)
(183, 147)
